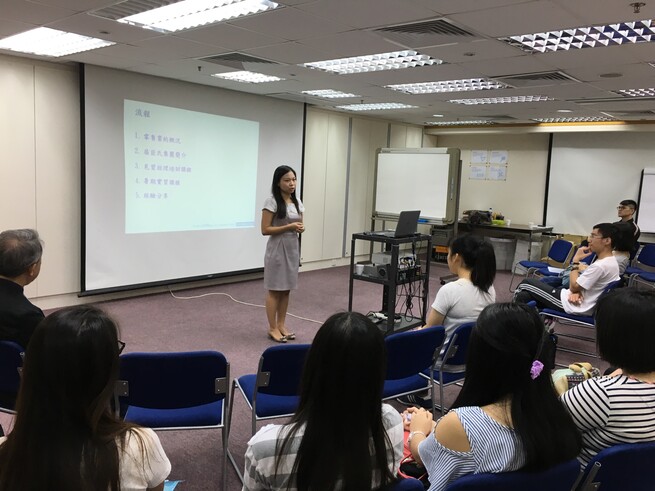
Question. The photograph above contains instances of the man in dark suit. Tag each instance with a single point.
(20, 264)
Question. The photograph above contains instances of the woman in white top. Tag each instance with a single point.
(473, 260)
(65, 435)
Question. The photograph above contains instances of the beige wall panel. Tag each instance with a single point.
(316, 146)
(429, 141)
(414, 137)
(516, 197)
(335, 186)
(398, 136)
(57, 142)
(17, 167)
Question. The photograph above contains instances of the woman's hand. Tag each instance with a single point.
(421, 421)
(298, 227)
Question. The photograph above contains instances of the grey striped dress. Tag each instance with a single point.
(494, 448)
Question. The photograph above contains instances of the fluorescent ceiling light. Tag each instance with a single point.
(247, 77)
(44, 41)
(649, 92)
(457, 123)
(373, 63)
(573, 120)
(193, 13)
(448, 86)
(503, 100)
(375, 107)
(329, 94)
(641, 31)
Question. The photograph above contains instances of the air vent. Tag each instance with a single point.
(498, 117)
(426, 33)
(130, 7)
(236, 60)
(537, 79)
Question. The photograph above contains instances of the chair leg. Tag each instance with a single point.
(511, 281)
(227, 440)
(443, 411)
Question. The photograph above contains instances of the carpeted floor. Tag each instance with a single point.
(208, 318)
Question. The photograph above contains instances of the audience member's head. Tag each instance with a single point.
(476, 255)
(603, 237)
(625, 237)
(626, 209)
(20, 255)
(624, 329)
(340, 406)
(64, 424)
(509, 360)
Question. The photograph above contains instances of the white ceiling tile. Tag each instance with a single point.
(32, 13)
(177, 46)
(458, 6)
(90, 25)
(352, 43)
(229, 36)
(291, 52)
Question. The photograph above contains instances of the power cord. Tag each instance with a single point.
(238, 301)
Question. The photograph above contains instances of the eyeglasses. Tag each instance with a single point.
(121, 346)
(622, 207)
(595, 236)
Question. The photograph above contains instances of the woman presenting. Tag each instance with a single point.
(282, 221)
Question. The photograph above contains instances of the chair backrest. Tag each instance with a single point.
(11, 361)
(613, 285)
(589, 259)
(621, 467)
(411, 352)
(646, 256)
(561, 477)
(173, 380)
(560, 250)
(456, 349)
(280, 369)
(408, 484)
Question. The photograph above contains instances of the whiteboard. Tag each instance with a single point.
(417, 179)
(646, 213)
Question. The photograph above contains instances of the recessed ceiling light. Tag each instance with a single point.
(564, 111)
(572, 120)
(503, 100)
(193, 13)
(376, 107)
(247, 77)
(329, 94)
(373, 63)
(51, 42)
(649, 92)
(448, 86)
(641, 31)
(437, 115)
(457, 123)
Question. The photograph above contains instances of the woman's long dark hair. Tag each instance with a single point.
(340, 409)
(478, 256)
(277, 194)
(507, 338)
(64, 435)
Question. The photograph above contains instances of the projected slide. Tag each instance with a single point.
(186, 170)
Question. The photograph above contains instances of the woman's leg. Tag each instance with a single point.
(272, 307)
(283, 304)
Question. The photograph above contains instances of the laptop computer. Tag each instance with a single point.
(407, 223)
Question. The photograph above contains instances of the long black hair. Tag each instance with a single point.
(346, 362)
(280, 172)
(478, 256)
(65, 435)
(506, 340)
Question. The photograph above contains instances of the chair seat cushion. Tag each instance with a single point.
(546, 272)
(533, 264)
(580, 318)
(448, 378)
(204, 415)
(267, 405)
(406, 385)
(646, 275)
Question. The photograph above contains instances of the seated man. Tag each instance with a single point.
(585, 285)
(626, 210)
(20, 264)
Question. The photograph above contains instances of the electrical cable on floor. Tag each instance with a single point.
(239, 301)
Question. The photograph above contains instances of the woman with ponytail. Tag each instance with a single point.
(507, 415)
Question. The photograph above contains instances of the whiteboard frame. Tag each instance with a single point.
(452, 192)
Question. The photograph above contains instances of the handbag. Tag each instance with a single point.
(409, 467)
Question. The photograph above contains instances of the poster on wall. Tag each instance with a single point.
(497, 173)
(478, 172)
(499, 157)
(479, 157)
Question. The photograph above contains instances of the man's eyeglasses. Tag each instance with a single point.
(595, 236)
(622, 207)
(121, 346)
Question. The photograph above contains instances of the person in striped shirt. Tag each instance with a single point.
(331, 444)
(507, 416)
(619, 408)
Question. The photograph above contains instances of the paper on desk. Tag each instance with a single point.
(554, 270)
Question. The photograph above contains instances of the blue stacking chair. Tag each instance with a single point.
(559, 252)
(273, 392)
(408, 355)
(11, 362)
(545, 272)
(643, 272)
(580, 321)
(450, 368)
(561, 477)
(176, 391)
(620, 468)
(407, 484)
